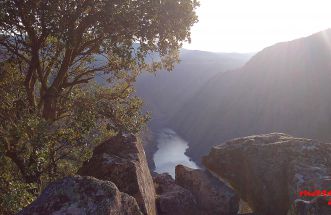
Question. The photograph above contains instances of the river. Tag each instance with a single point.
(171, 152)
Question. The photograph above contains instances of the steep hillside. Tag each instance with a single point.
(283, 88)
(166, 92)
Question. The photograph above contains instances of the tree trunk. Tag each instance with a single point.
(50, 105)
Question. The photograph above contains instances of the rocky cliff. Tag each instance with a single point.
(122, 160)
(269, 171)
(122, 185)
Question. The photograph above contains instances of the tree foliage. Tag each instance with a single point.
(35, 151)
(52, 113)
(56, 41)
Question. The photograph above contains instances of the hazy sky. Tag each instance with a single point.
(251, 25)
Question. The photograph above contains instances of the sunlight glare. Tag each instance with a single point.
(249, 26)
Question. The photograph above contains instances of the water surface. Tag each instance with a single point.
(171, 152)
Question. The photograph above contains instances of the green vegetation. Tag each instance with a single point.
(51, 113)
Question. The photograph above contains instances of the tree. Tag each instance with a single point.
(51, 51)
(56, 41)
(35, 151)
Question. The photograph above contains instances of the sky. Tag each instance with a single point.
(251, 25)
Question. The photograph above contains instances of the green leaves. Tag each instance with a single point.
(35, 151)
(51, 115)
(14, 194)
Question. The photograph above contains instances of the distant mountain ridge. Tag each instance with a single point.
(166, 92)
(283, 88)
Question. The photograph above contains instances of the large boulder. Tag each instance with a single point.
(173, 199)
(270, 170)
(213, 196)
(82, 196)
(122, 160)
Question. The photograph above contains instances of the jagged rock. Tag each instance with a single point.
(173, 199)
(82, 196)
(213, 196)
(269, 171)
(122, 160)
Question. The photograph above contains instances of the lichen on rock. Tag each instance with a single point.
(79, 195)
(121, 159)
(269, 171)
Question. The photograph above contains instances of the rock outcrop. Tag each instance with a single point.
(269, 171)
(212, 195)
(122, 160)
(82, 196)
(173, 199)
